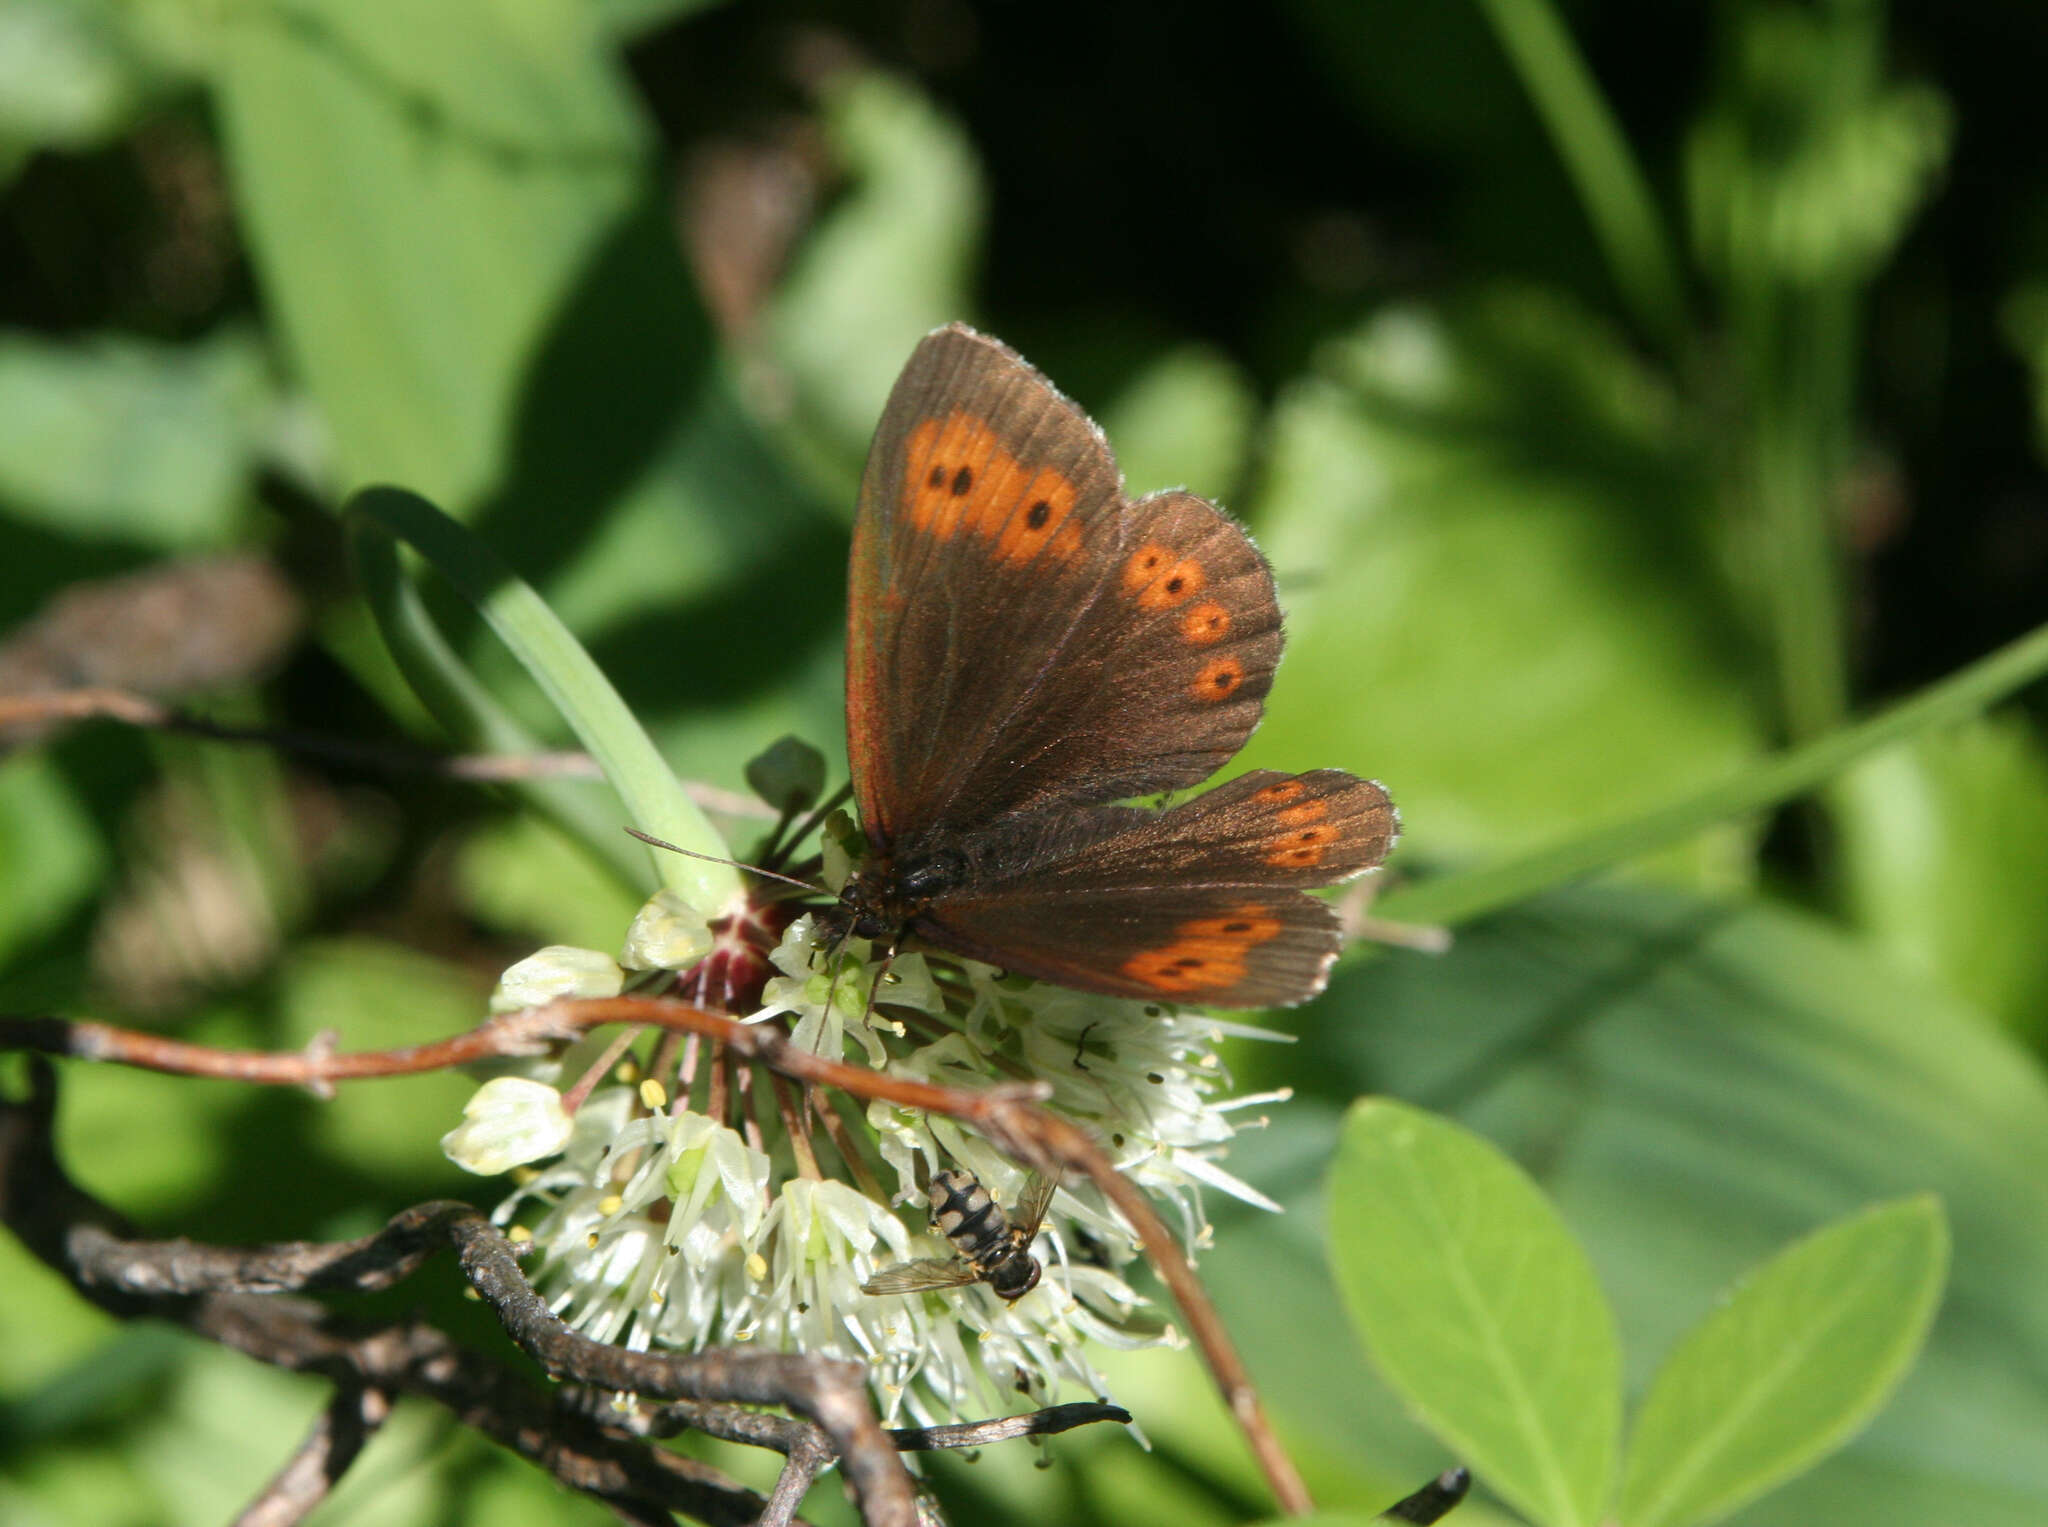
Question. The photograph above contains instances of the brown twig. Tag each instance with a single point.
(337, 1436)
(1007, 1115)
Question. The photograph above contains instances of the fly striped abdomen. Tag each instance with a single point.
(968, 1216)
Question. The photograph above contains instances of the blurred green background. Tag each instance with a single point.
(1621, 393)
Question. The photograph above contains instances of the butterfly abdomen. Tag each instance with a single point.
(968, 1216)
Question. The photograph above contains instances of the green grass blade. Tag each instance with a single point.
(472, 719)
(653, 797)
(1794, 1363)
(1596, 156)
(1472, 893)
(1479, 1307)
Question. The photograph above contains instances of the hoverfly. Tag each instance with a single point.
(994, 1248)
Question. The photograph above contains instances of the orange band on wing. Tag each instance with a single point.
(959, 479)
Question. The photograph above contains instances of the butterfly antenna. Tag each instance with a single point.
(751, 869)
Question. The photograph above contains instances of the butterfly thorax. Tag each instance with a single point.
(888, 893)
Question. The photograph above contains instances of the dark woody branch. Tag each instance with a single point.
(198, 1287)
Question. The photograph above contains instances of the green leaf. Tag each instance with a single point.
(72, 75)
(790, 775)
(1479, 1307)
(1481, 612)
(420, 186)
(1185, 421)
(126, 439)
(1939, 844)
(1696, 1085)
(1803, 1353)
(1588, 139)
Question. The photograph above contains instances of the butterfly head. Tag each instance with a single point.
(887, 893)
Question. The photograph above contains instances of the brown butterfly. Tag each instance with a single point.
(1026, 646)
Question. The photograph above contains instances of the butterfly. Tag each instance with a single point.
(1027, 647)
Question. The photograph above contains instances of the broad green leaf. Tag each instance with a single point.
(420, 186)
(72, 75)
(1940, 845)
(1802, 1355)
(1697, 1085)
(1960, 699)
(1479, 1307)
(1354, 1439)
(131, 440)
(1484, 533)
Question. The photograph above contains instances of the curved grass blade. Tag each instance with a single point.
(653, 798)
(1461, 896)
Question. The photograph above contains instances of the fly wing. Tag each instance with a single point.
(925, 1272)
(1039, 1188)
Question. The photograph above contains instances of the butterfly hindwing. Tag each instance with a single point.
(1264, 828)
(1198, 902)
(1220, 946)
(1021, 636)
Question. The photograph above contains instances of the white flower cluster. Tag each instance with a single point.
(662, 1226)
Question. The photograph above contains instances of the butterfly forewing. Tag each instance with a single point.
(1020, 636)
(956, 568)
